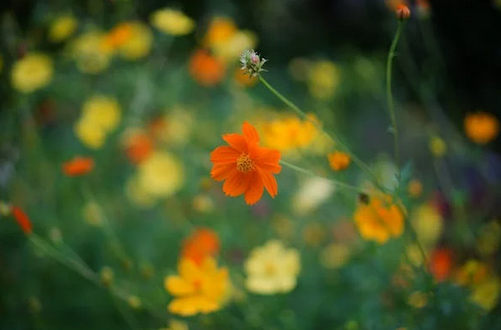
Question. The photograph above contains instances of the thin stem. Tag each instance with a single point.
(389, 97)
(330, 136)
(335, 182)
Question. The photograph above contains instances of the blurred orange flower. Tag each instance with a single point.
(118, 36)
(379, 219)
(138, 146)
(244, 80)
(220, 30)
(247, 167)
(339, 161)
(441, 264)
(202, 243)
(206, 69)
(22, 219)
(481, 127)
(198, 288)
(78, 166)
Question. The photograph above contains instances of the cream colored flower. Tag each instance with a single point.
(32, 72)
(62, 28)
(90, 52)
(272, 268)
(172, 22)
(312, 193)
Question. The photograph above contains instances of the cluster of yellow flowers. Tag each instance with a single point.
(100, 116)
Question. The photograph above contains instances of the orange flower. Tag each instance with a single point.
(118, 36)
(379, 219)
(78, 166)
(247, 167)
(138, 146)
(22, 219)
(403, 12)
(201, 244)
(244, 80)
(206, 69)
(441, 264)
(339, 160)
(481, 127)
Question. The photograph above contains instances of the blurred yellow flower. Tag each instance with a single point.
(32, 72)
(417, 299)
(197, 289)
(323, 79)
(159, 176)
(100, 115)
(172, 22)
(103, 111)
(134, 302)
(244, 80)
(288, 133)
(90, 52)
(272, 268)
(313, 234)
(220, 30)
(176, 325)
(486, 293)
(137, 40)
(283, 226)
(335, 255)
(93, 214)
(339, 160)
(175, 127)
(379, 219)
(472, 272)
(62, 28)
(427, 223)
(489, 238)
(481, 127)
(438, 147)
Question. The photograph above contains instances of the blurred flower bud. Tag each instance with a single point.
(403, 12)
(106, 275)
(252, 63)
(134, 302)
(4, 209)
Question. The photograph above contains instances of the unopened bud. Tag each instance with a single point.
(106, 276)
(252, 63)
(403, 12)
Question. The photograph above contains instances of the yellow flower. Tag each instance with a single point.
(481, 127)
(314, 234)
(176, 325)
(272, 269)
(288, 133)
(93, 214)
(335, 255)
(176, 127)
(103, 111)
(90, 53)
(134, 302)
(339, 161)
(100, 116)
(159, 176)
(486, 293)
(233, 48)
(62, 28)
(221, 29)
(137, 40)
(438, 147)
(417, 299)
(323, 79)
(428, 224)
(197, 289)
(32, 72)
(172, 22)
(379, 219)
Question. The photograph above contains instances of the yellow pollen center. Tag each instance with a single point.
(245, 163)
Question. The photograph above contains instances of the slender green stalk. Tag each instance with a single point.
(335, 182)
(389, 97)
(330, 136)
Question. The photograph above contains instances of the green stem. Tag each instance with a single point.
(389, 97)
(335, 182)
(330, 136)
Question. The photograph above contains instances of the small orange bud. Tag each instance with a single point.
(78, 166)
(339, 161)
(403, 12)
(22, 219)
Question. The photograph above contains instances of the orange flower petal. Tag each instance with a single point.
(236, 141)
(255, 190)
(270, 183)
(224, 155)
(220, 172)
(22, 219)
(250, 133)
(236, 184)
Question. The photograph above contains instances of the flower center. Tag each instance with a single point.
(245, 163)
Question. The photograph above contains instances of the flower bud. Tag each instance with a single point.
(252, 63)
(403, 12)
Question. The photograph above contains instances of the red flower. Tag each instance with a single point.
(78, 166)
(22, 219)
(246, 167)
